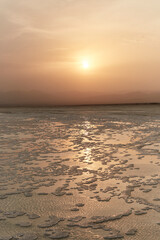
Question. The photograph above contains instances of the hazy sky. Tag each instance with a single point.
(44, 42)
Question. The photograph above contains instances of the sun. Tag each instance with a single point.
(85, 64)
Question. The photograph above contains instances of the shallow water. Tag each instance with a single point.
(105, 157)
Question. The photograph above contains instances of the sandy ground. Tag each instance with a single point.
(80, 173)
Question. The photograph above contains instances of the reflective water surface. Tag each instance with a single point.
(86, 172)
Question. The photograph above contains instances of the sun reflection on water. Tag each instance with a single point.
(85, 132)
(88, 155)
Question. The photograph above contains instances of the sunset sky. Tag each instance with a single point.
(80, 45)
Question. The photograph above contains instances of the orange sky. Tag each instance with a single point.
(43, 43)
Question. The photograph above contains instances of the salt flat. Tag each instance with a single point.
(89, 172)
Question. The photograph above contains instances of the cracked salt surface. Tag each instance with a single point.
(80, 173)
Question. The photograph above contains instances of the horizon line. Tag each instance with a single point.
(74, 105)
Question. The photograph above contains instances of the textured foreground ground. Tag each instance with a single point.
(80, 173)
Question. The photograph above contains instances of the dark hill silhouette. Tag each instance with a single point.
(36, 98)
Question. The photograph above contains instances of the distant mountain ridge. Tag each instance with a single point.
(37, 98)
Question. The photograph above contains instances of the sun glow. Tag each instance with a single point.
(85, 64)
